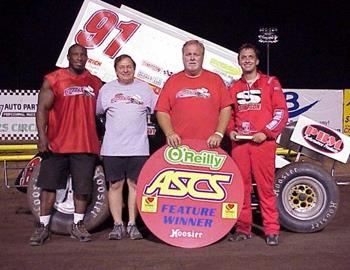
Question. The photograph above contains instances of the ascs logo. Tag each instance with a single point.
(293, 105)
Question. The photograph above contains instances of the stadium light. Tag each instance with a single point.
(268, 35)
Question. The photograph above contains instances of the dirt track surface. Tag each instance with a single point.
(328, 249)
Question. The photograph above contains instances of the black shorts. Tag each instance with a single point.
(55, 170)
(121, 168)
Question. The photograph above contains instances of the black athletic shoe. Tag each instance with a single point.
(239, 236)
(272, 240)
(40, 234)
(79, 232)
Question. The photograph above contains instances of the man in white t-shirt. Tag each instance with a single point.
(125, 148)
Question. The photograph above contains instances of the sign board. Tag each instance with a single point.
(321, 139)
(107, 31)
(321, 105)
(346, 113)
(17, 114)
(190, 196)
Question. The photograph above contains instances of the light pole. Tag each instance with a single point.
(268, 35)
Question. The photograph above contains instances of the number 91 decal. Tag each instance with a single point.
(99, 26)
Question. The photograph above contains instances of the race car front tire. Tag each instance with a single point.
(307, 197)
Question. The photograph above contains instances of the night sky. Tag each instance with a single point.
(312, 52)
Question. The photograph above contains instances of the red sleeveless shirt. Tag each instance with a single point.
(71, 121)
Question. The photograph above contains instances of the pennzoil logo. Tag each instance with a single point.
(181, 184)
(121, 98)
(197, 93)
(187, 156)
(323, 139)
(79, 90)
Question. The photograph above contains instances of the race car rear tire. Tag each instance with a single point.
(307, 197)
(22, 179)
(61, 219)
(18, 183)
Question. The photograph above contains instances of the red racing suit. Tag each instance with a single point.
(260, 107)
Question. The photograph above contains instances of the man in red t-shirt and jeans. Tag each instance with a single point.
(68, 140)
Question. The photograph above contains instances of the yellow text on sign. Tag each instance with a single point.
(194, 184)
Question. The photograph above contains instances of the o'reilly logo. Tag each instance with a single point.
(187, 156)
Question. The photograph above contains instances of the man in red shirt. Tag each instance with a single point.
(194, 103)
(68, 140)
(259, 115)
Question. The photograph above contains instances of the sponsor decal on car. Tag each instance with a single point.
(323, 138)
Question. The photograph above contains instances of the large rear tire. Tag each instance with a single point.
(23, 178)
(62, 215)
(307, 197)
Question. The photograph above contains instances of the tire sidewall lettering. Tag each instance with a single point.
(96, 213)
(285, 178)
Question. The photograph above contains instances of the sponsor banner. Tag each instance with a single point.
(346, 114)
(17, 115)
(107, 31)
(190, 196)
(321, 139)
(321, 105)
(18, 106)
